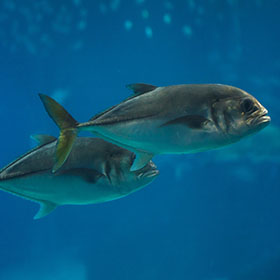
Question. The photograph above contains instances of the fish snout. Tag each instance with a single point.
(261, 118)
(148, 171)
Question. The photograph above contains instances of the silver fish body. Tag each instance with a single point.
(178, 119)
(172, 119)
(95, 171)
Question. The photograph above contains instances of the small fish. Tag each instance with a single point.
(162, 120)
(95, 171)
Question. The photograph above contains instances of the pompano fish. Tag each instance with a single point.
(95, 171)
(161, 120)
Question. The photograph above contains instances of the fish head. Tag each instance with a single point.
(239, 114)
(126, 181)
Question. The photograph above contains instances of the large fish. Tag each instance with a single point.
(161, 120)
(95, 171)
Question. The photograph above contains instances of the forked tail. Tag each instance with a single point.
(68, 129)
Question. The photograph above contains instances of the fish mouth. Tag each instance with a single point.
(148, 174)
(149, 171)
(261, 119)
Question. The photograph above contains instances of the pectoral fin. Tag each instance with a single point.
(46, 208)
(140, 160)
(89, 175)
(191, 121)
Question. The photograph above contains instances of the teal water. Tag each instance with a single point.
(208, 216)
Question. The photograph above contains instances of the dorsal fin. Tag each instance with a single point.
(42, 139)
(139, 89)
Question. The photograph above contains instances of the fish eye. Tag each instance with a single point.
(248, 106)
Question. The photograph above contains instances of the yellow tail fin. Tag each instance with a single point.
(68, 129)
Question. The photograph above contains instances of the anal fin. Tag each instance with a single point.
(46, 208)
(140, 160)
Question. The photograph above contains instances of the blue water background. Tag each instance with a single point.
(208, 216)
